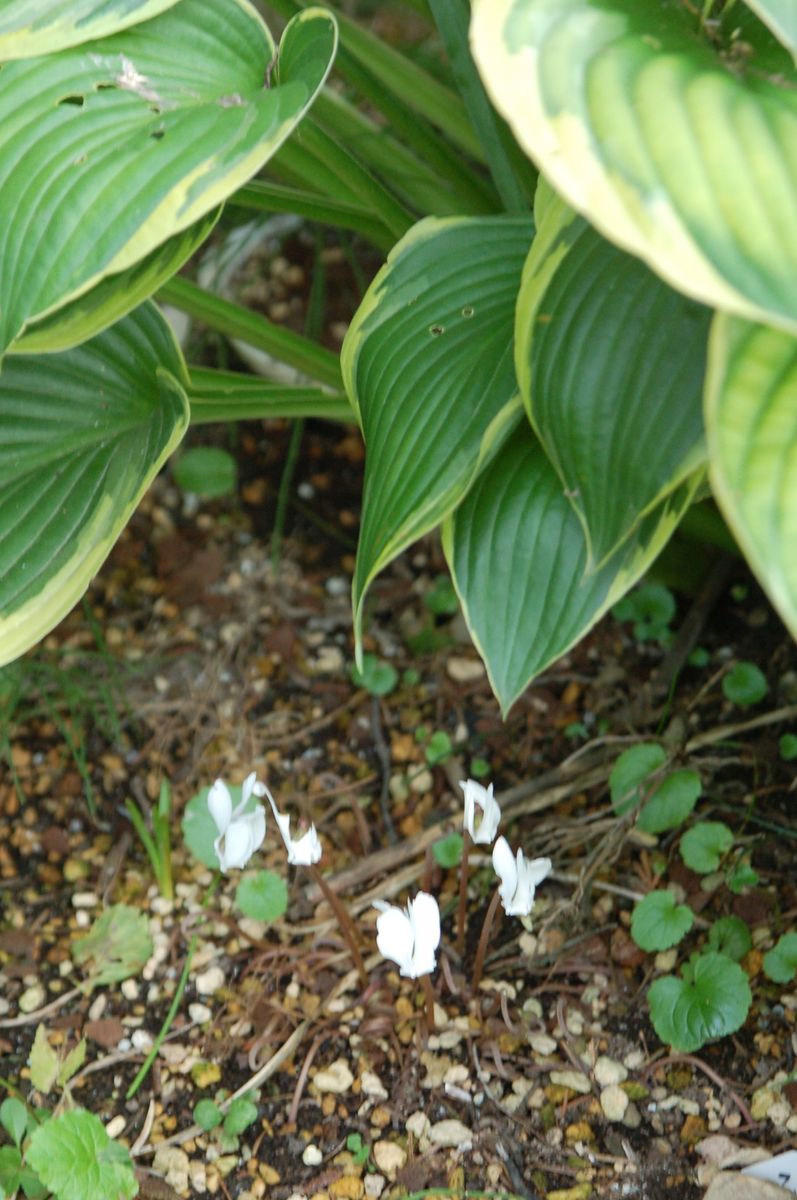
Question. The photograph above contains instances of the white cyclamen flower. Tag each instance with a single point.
(477, 796)
(519, 878)
(302, 852)
(409, 936)
(240, 833)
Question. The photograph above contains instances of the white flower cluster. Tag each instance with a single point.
(243, 828)
(410, 936)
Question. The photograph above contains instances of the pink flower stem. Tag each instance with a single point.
(463, 893)
(481, 951)
(345, 922)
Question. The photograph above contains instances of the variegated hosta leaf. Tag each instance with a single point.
(676, 150)
(781, 17)
(428, 366)
(114, 296)
(32, 27)
(84, 433)
(610, 362)
(518, 558)
(751, 425)
(109, 149)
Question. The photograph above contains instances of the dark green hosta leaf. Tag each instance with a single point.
(676, 148)
(428, 365)
(658, 922)
(610, 362)
(751, 427)
(709, 1001)
(781, 17)
(518, 558)
(73, 1155)
(84, 433)
(109, 149)
(112, 298)
(29, 27)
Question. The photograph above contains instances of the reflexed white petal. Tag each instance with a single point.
(306, 850)
(506, 869)
(236, 847)
(394, 937)
(220, 805)
(477, 796)
(537, 870)
(424, 916)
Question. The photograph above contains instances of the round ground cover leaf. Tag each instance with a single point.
(658, 922)
(704, 846)
(31, 27)
(74, 1157)
(751, 427)
(745, 684)
(610, 362)
(631, 769)
(375, 675)
(780, 963)
(671, 802)
(109, 149)
(206, 470)
(447, 851)
(263, 896)
(116, 947)
(518, 557)
(428, 365)
(711, 1000)
(673, 147)
(84, 433)
(730, 936)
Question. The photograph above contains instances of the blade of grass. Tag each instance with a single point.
(232, 396)
(273, 197)
(165, 1027)
(452, 19)
(399, 75)
(239, 322)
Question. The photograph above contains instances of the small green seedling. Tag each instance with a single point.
(206, 471)
(377, 676)
(651, 607)
(787, 747)
(359, 1150)
(780, 963)
(730, 936)
(441, 599)
(479, 768)
(699, 657)
(659, 922)
(704, 846)
(745, 684)
(741, 875)
(263, 896)
(226, 1126)
(439, 748)
(447, 851)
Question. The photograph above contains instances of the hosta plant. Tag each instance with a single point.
(585, 321)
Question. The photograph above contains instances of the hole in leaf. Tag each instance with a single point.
(468, 311)
(104, 87)
(436, 330)
(157, 134)
(156, 108)
(76, 100)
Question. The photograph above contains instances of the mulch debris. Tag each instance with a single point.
(214, 661)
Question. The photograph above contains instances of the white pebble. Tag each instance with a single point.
(115, 1126)
(85, 900)
(335, 1078)
(208, 982)
(312, 1156)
